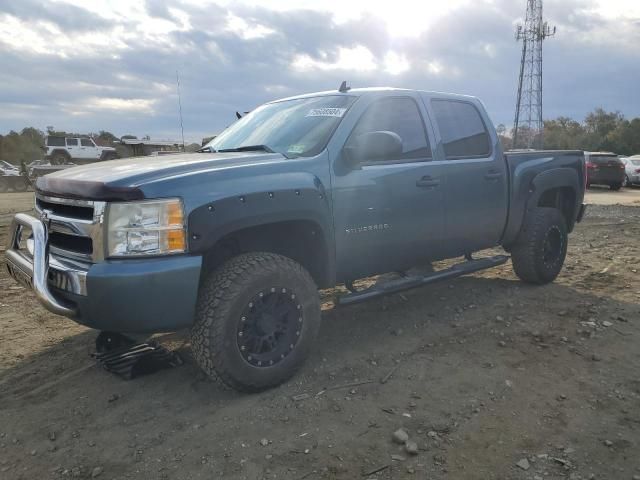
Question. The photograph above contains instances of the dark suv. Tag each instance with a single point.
(604, 168)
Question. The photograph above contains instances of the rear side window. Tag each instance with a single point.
(72, 142)
(604, 159)
(463, 132)
(399, 115)
(55, 141)
(85, 142)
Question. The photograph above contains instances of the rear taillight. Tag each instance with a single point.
(622, 166)
(637, 170)
(591, 165)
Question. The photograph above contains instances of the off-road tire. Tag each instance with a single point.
(528, 255)
(615, 187)
(223, 297)
(20, 185)
(59, 158)
(626, 183)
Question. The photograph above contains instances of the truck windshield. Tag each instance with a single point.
(295, 128)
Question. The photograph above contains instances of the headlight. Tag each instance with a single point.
(154, 227)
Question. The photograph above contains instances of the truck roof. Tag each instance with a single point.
(358, 92)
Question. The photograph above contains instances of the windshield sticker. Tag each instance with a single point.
(326, 112)
(297, 148)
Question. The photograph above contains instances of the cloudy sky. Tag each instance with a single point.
(88, 65)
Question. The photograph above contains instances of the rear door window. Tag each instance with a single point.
(604, 159)
(463, 132)
(72, 142)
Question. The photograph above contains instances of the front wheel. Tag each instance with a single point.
(20, 185)
(539, 253)
(256, 321)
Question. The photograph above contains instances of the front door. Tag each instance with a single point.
(388, 212)
(73, 147)
(89, 149)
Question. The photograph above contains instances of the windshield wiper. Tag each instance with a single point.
(249, 148)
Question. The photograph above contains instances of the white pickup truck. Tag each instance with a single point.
(61, 150)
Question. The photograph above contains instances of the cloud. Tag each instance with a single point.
(87, 68)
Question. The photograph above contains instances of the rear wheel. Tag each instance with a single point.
(626, 183)
(59, 158)
(615, 187)
(256, 321)
(539, 254)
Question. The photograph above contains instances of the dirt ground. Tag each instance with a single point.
(492, 379)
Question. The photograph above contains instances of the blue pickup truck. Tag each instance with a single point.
(300, 194)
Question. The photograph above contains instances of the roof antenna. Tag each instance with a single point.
(238, 115)
(180, 107)
(343, 87)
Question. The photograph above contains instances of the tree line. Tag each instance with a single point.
(28, 144)
(599, 131)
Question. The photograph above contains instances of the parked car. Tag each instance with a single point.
(632, 170)
(11, 178)
(604, 168)
(60, 150)
(303, 193)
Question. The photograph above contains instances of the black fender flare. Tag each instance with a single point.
(550, 179)
(210, 223)
(108, 155)
(541, 183)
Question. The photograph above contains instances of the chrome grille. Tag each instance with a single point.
(75, 227)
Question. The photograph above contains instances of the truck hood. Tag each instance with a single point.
(122, 179)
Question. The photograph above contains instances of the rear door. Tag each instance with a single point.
(476, 172)
(388, 212)
(73, 147)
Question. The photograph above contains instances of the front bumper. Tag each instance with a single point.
(127, 296)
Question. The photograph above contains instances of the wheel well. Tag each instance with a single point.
(60, 150)
(562, 198)
(300, 240)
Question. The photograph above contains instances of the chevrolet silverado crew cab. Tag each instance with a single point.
(300, 194)
(60, 150)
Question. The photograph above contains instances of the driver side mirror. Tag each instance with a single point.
(373, 146)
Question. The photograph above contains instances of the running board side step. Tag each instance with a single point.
(408, 283)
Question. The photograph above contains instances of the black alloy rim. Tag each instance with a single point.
(270, 327)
